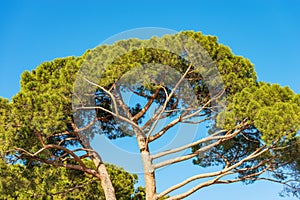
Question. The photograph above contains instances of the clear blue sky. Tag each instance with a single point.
(266, 32)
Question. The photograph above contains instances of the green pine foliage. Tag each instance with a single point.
(43, 108)
(46, 182)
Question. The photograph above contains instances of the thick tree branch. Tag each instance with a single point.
(186, 157)
(196, 188)
(201, 150)
(164, 130)
(175, 150)
(136, 117)
(218, 175)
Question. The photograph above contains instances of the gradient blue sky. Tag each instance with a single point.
(266, 32)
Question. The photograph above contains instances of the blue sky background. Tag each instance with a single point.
(266, 32)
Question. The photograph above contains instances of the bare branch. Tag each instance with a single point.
(218, 175)
(69, 166)
(157, 116)
(204, 106)
(197, 122)
(60, 134)
(204, 149)
(52, 146)
(67, 139)
(183, 119)
(108, 111)
(280, 182)
(214, 136)
(186, 157)
(211, 137)
(105, 90)
(164, 130)
(146, 107)
(194, 189)
(185, 182)
(76, 130)
(168, 98)
(55, 162)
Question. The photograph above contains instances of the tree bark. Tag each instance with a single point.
(149, 176)
(103, 175)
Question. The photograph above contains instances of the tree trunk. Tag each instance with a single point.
(106, 184)
(103, 175)
(149, 176)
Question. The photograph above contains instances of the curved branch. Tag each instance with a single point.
(136, 117)
(191, 155)
(196, 188)
(186, 157)
(168, 98)
(164, 130)
(52, 146)
(211, 137)
(114, 114)
(218, 174)
(105, 90)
